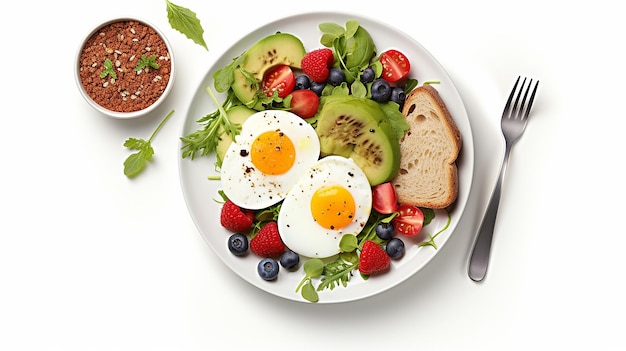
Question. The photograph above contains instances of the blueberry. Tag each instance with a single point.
(289, 259)
(238, 244)
(368, 75)
(398, 96)
(395, 248)
(268, 268)
(385, 230)
(336, 76)
(303, 82)
(381, 90)
(317, 88)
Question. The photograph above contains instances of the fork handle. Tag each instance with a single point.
(479, 259)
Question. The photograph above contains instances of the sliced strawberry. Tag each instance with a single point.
(267, 242)
(384, 198)
(373, 259)
(235, 218)
(315, 64)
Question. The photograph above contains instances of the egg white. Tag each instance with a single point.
(247, 186)
(296, 225)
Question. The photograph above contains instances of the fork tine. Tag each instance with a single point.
(507, 107)
(516, 111)
(532, 98)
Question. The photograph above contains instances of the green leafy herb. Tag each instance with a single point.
(205, 139)
(149, 61)
(353, 47)
(224, 77)
(348, 243)
(313, 268)
(429, 214)
(135, 163)
(339, 271)
(262, 217)
(185, 21)
(108, 70)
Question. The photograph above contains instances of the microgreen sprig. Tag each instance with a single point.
(146, 61)
(108, 70)
(135, 163)
(313, 268)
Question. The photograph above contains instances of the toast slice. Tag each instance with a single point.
(428, 175)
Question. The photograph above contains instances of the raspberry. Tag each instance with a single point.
(315, 64)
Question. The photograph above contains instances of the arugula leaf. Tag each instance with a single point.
(395, 118)
(205, 139)
(135, 163)
(108, 70)
(144, 62)
(339, 271)
(185, 21)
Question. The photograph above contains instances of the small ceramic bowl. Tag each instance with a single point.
(125, 68)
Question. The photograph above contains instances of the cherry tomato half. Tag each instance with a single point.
(396, 66)
(280, 79)
(409, 221)
(304, 103)
(384, 198)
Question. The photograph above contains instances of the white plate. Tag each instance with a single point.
(199, 192)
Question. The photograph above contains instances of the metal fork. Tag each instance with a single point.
(514, 119)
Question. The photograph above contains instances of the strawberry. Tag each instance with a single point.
(373, 259)
(315, 64)
(267, 242)
(235, 218)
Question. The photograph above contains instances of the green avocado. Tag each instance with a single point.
(236, 114)
(275, 49)
(357, 128)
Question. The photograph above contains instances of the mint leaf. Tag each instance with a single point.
(185, 21)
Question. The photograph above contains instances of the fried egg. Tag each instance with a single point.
(333, 198)
(272, 151)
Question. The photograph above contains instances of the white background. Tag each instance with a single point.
(90, 260)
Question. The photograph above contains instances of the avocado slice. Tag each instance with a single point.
(236, 114)
(357, 128)
(275, 49)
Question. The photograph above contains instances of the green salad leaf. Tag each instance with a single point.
(353, 47)
(135, 163)
(185, 21)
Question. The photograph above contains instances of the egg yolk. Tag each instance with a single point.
(332, 207)
(273, 152)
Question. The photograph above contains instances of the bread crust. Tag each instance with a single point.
(428, 175)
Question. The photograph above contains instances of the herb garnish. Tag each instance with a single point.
(204, 140)
(108, 70)
(185, 21)
(353, 47)
(149, 61)
(313, 268)
(135, 163)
